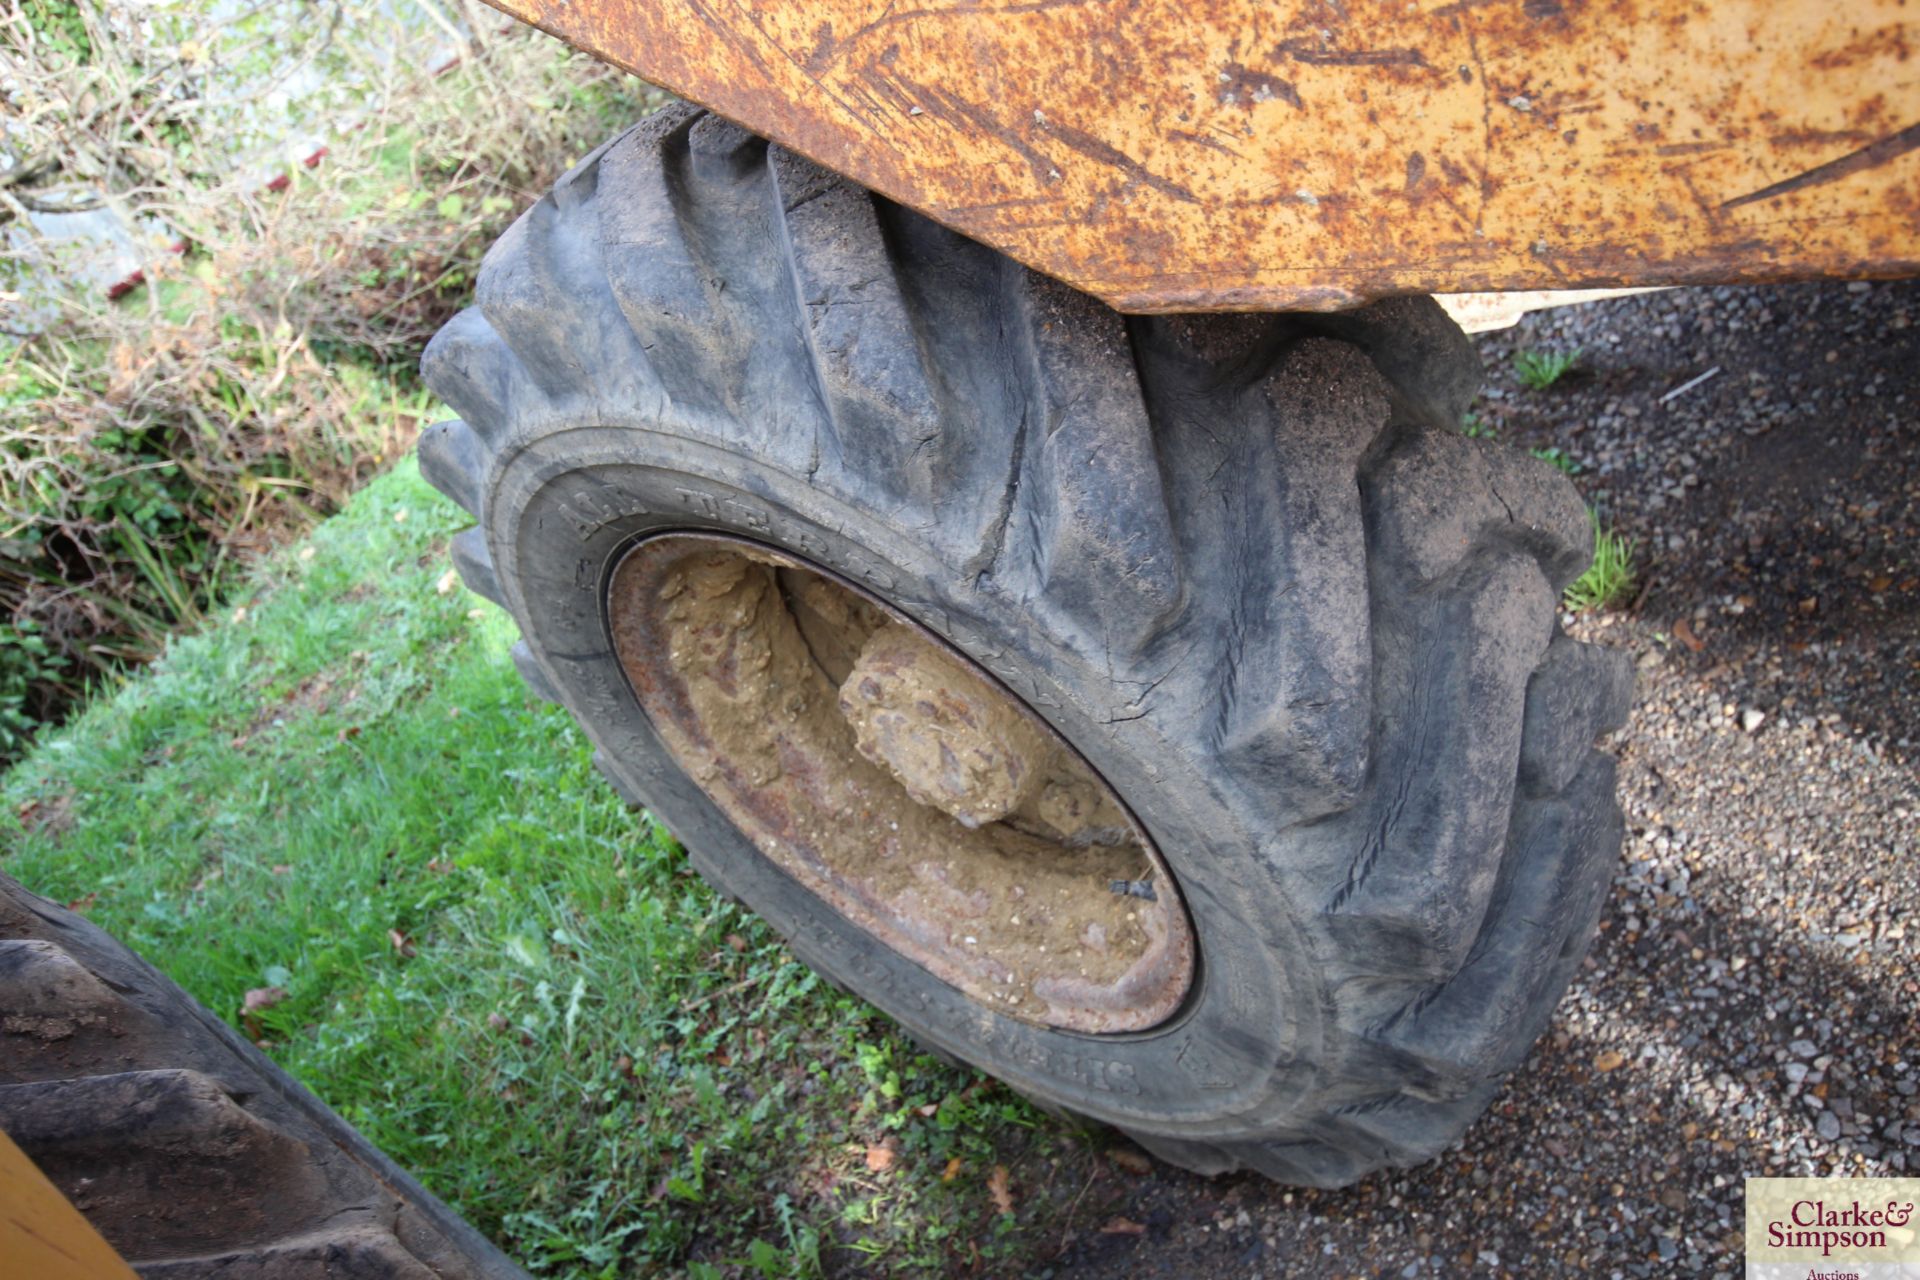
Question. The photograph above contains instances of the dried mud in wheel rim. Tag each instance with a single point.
(902, 784)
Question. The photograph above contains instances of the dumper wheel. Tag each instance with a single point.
(1167, 715)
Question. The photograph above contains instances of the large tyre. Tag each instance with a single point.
(1246, 565)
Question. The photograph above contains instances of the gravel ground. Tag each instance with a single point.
(1750, 1006)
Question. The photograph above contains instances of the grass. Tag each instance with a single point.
(1559, 458)
(494, 969)
(1609, 581)
(1539, 370)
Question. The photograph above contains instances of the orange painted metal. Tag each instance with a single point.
(1266, 154)
(41, 1234)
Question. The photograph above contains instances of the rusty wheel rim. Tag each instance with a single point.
(909, 790)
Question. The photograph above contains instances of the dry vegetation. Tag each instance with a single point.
(262, 367)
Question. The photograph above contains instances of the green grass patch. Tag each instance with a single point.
(1558, 458)
(1475, 427)
(1539, 370)
(1609, 581)
(492, 967)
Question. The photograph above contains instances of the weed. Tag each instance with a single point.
(1560, 458)
(1609, 580)
(1478, 428)
(1539, 370)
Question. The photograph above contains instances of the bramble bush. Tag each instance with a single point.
(263, 367)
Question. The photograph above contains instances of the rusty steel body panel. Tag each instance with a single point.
(1309, 154)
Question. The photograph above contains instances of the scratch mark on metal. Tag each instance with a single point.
(1309, 51)
(1088, 145)
(1870, 156)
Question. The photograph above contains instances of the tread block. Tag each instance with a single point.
(653, 276)
(107, 1141)
(544, 289)
(468, 366)
(1438, 496)
(1403, 1130)
(1296, 698)
(1429, 359)
(529, 668)
(1305, 1163)
(453, 459)
(876, 387)
(57, 1019)
(474, 561)
(1419, 879)
(1091, 537)
(695, 251)
(1483, 1021)
(1580, 692)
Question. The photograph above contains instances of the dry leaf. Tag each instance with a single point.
(1683, 632)
(259, 998)
(737, 942)
(952, 1171)
(1608, 1060)
(1132, 1161)
(928, 1110)
(997, 1188)
(401, 943)
(448, 581)
(1122, 1227)
(879, 1159)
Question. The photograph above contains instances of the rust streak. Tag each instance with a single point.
(1871, 156)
